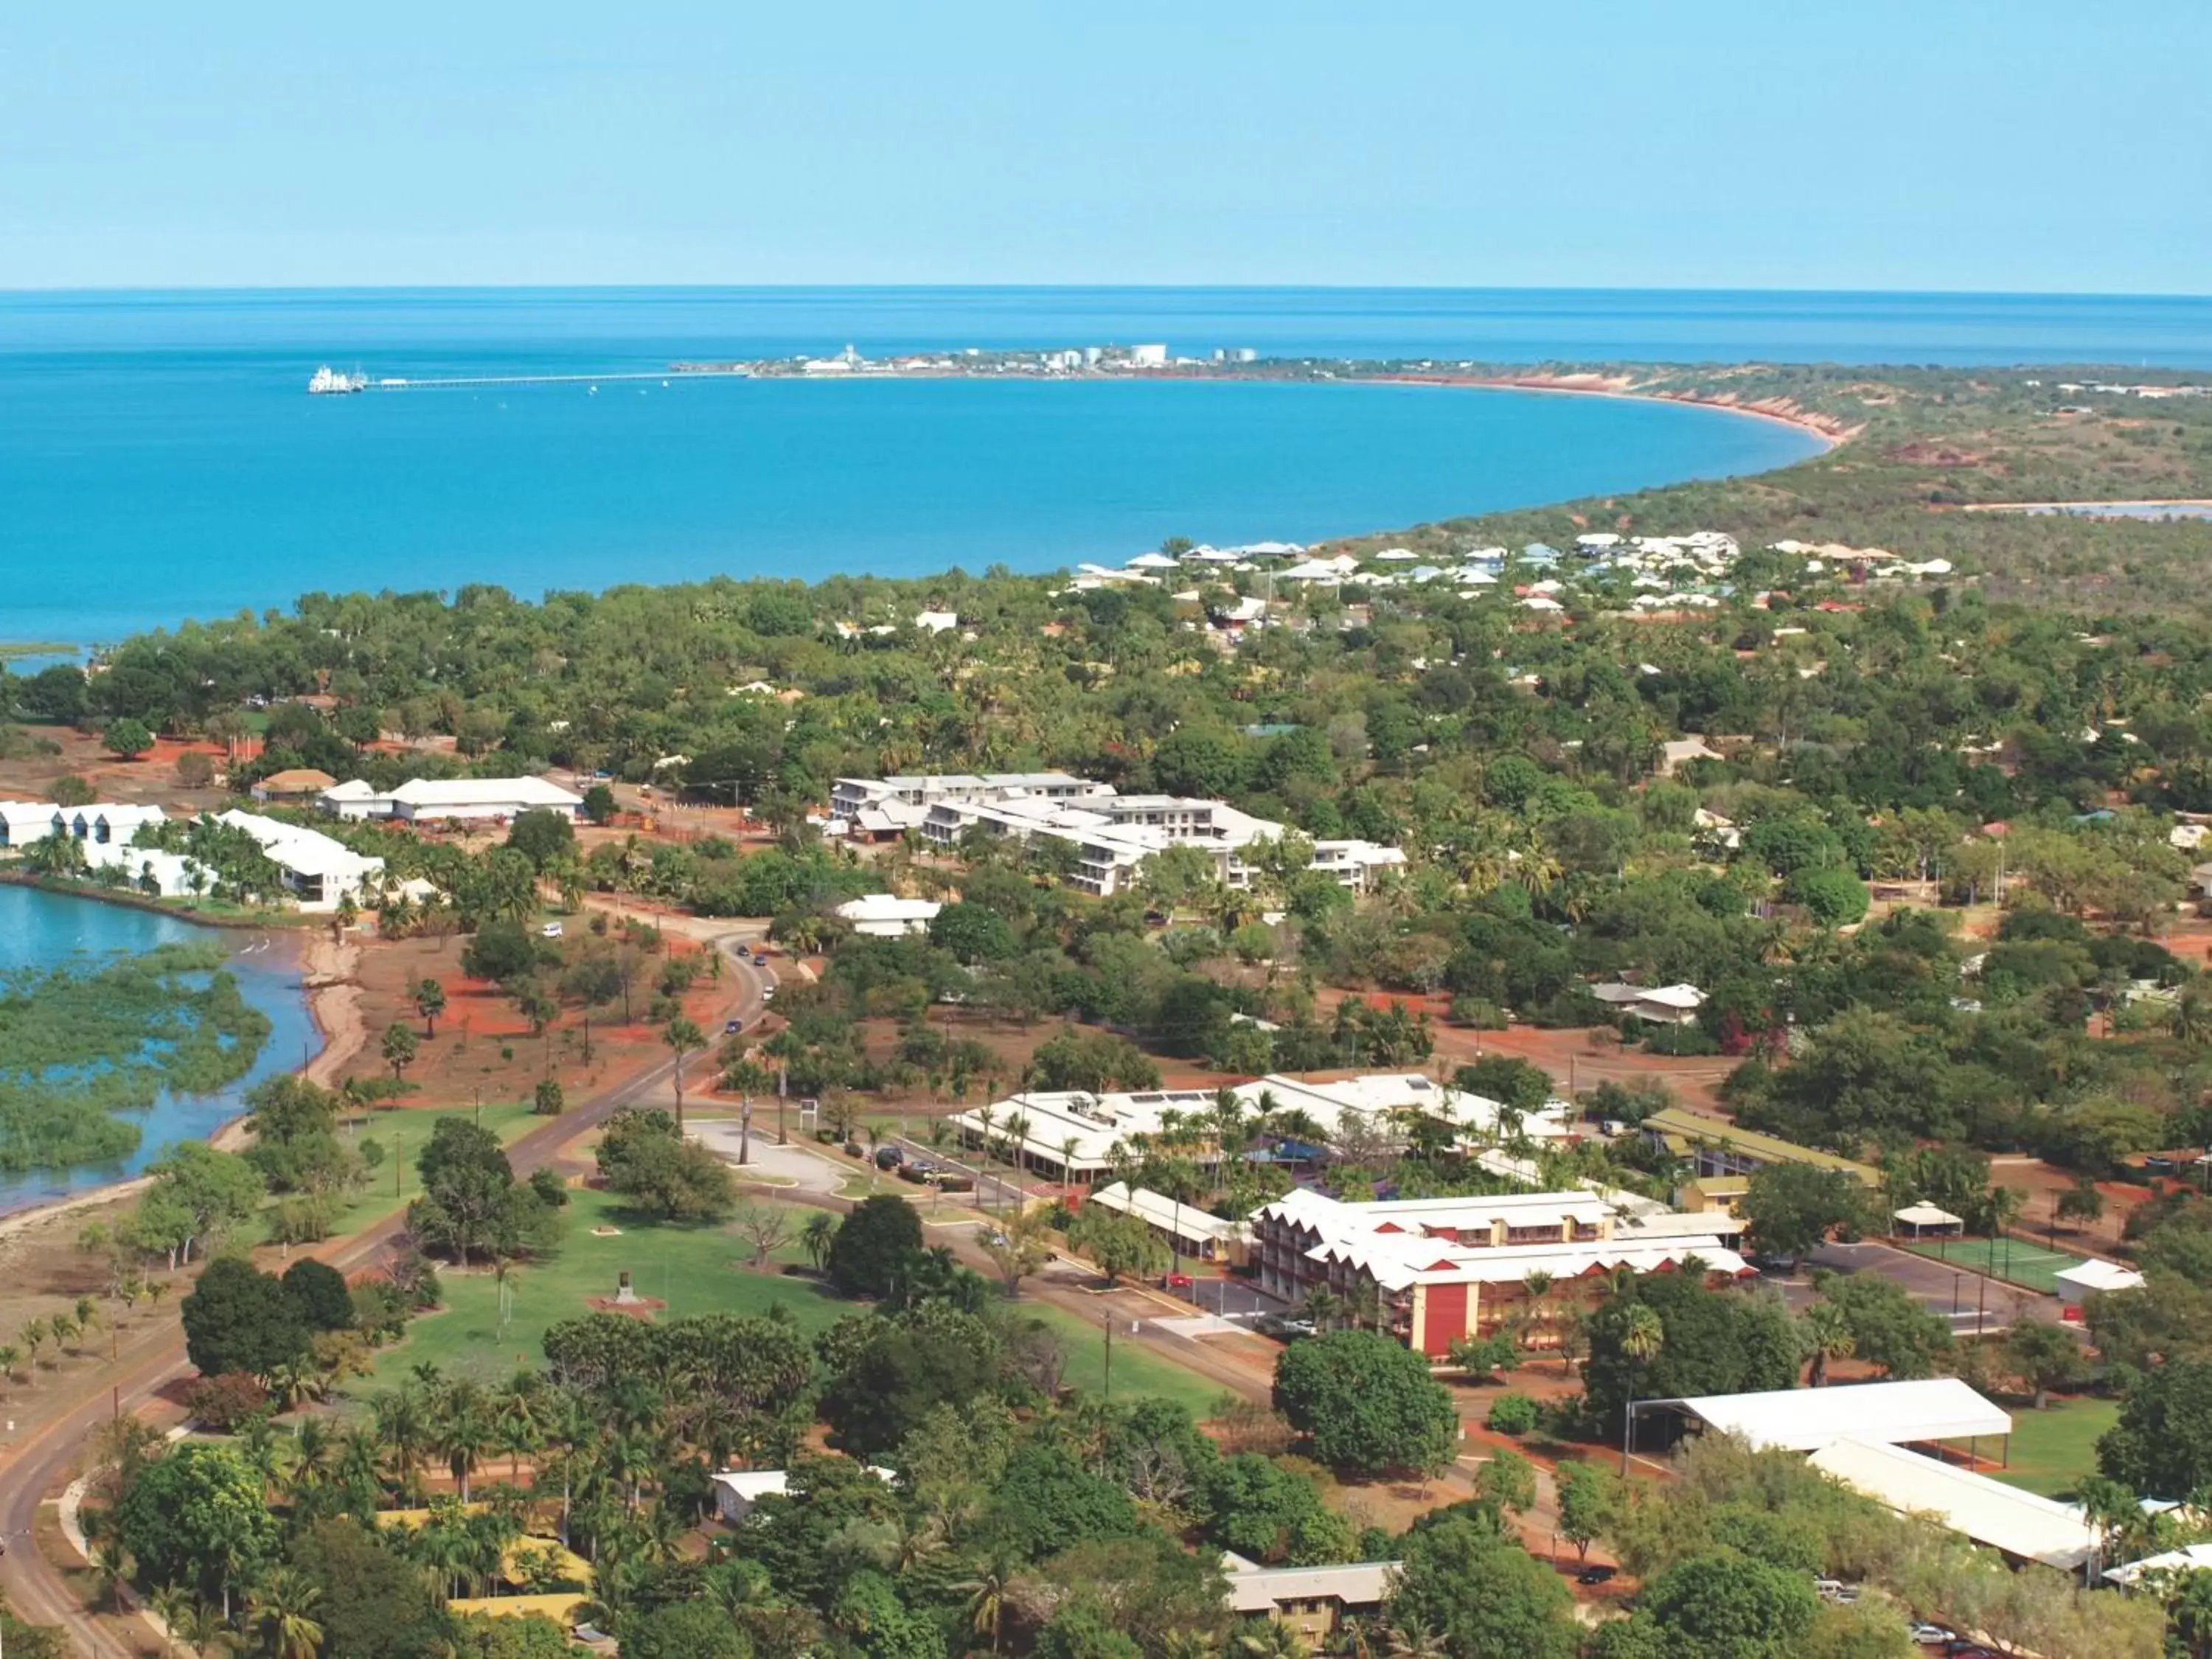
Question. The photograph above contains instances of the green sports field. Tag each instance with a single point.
(2016, 1261)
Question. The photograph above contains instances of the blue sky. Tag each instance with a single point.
(1977, 144)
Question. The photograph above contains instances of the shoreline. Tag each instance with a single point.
(1831, 433)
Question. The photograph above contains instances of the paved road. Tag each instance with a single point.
(35, 1589)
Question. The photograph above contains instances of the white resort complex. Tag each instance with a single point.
(1112, 834)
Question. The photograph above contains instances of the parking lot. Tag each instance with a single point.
(1970, 1303)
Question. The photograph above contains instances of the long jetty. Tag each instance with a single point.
(463, 382)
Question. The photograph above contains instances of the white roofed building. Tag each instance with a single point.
(1663, 1004)
(318, 872)
(884, 916)
(848, 797)
(425, 800)
(22, 822)
(1191, 1232)
(1441, 1269)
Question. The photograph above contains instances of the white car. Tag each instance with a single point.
(1929, 1636)
(550, 930)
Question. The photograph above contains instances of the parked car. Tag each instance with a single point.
(550, 930)
(1596, 1575)
(1175, 1281)
(853, 1149)
(732, 1027)
(952, 1181)
(1930, 1636)
(918, 1170)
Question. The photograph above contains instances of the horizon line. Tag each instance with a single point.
(10, 290)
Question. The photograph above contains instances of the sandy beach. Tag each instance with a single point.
(1827, 427)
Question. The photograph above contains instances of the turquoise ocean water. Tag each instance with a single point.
(159, 458)
(44, 930)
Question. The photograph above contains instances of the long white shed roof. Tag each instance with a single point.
(1887, 1414)
(2020, 1523)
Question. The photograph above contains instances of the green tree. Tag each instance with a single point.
(1889, 1328)
(871, 1245)
(545, 837)
(974, 933)
(643, 1155)
(1367, 1403)
(240, 1319)
(197, 1196)
(318, 1295)
(198, 1517)
(1589, 1498)
(126, 738)
(429, 1002)
(1789, 1209)
(1021, 1245)
(1726, 1606)
(470, 1201)
(501, 951)
(2162, 1447)
(1118, 1244)
(1832, 897)
(1480, 1593)
(2045, 1356)
(399, 1049)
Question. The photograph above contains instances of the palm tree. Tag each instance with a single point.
(203, 1628)
(1415, 1641)
(11, 1356)
(1324, 1306)
(1273, 1639)
(684, 1037)
(1640, 1343)
(282, 1606)
(1537, 1283)
(465, 1434)
(815, 1238)
(1829, 1335)
(519, 1420)
(172, 1604)
(985, 1591)
(403, 1425)
(1180, 1643)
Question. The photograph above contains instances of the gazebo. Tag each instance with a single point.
(1927, 1221)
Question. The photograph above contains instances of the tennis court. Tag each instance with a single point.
(2015, 1260)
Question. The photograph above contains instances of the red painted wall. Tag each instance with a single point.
(1444, 1317)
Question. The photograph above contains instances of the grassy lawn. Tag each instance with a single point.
(689, 1267)
(1136, 1370)
(2013, 1260)
(2052, 1449)
(404, 1133)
